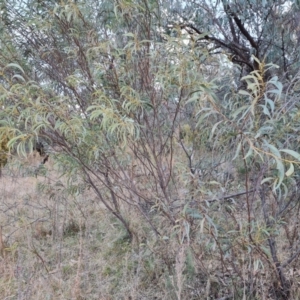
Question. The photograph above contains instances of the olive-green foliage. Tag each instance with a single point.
(161, 130)
(3, 152)
(5, 137)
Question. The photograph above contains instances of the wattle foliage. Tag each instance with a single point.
(175, 111)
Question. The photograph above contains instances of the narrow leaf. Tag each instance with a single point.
(214, 128)
(290, 171)
(238, 150)
(291, 152)
(14, 65)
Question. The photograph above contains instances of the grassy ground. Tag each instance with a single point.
(54, 246)
(57, 246)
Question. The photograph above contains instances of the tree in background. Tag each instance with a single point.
(267, 30)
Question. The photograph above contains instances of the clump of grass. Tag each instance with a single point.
(72, 228)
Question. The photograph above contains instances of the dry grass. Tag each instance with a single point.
(57, 246)
(60, 247)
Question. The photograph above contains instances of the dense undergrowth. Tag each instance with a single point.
(173, 168)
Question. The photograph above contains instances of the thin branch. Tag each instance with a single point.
(240, 25)
(291, 259)
(219, 199)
